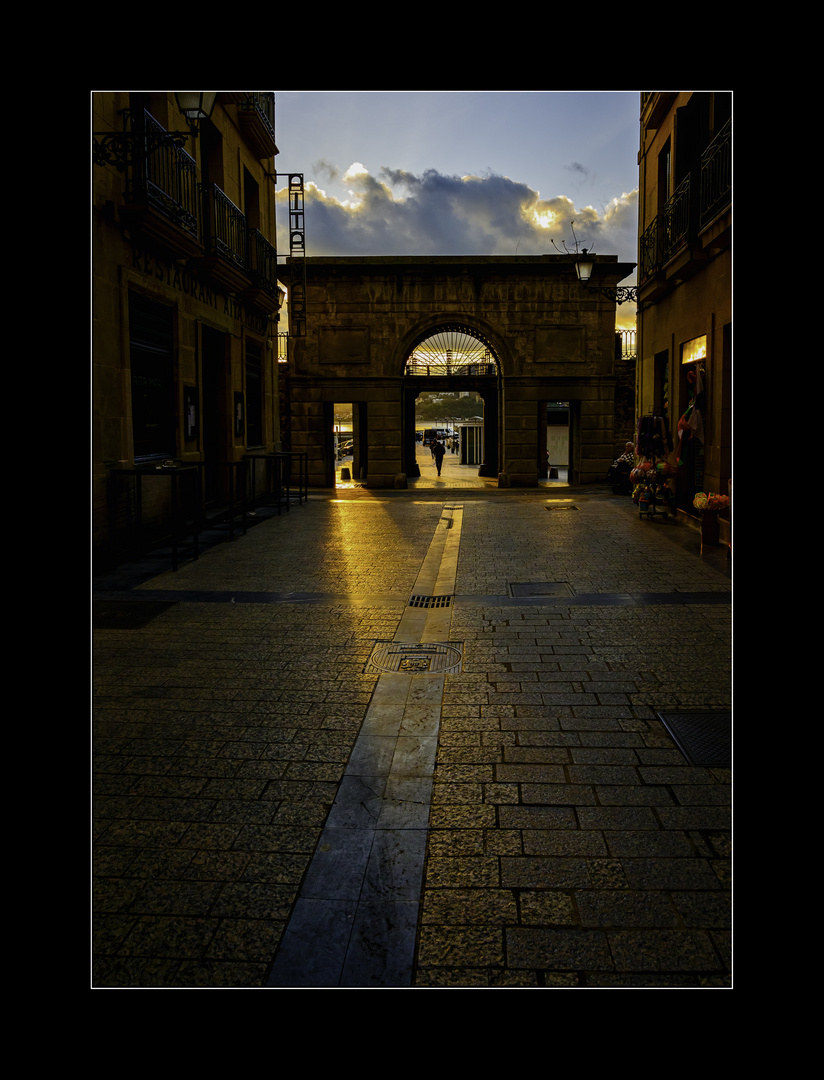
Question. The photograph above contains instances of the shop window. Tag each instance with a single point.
(151, 357)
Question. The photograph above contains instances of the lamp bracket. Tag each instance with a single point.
(619, 294)
(118, 147)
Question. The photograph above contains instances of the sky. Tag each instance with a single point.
(486, 172)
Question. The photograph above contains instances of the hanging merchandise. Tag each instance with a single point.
(691, 423)
(651, 493)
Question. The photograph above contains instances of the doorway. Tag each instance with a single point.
(215, 414)
(346, 444)
(554, 463)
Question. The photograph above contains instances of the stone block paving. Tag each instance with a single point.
(571, 844)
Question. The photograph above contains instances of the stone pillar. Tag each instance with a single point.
(385, 450)
(410, 443)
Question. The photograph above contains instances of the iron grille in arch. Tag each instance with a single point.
(452, 350)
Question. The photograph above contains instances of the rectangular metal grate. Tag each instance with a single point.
(704, 738)
(430, 601)
(539, 588)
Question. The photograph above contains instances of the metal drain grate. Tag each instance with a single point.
(704, 738)
(540, 588)
(560, 507)
(430, 601)
(429, 658)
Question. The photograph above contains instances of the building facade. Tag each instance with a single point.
(542, 337)
(685, 284)
(185, 302)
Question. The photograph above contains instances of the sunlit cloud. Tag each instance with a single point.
(400, 213)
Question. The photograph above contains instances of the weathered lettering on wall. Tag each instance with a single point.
(187, 281)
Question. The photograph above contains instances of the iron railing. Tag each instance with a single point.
(421, 367)
(263, 104)
(263, 263)
(680, 218)
(227, 228)
(626, 344)
(668, 232)
(716, 174)
(163, 175)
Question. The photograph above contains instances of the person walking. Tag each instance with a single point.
(438, 451)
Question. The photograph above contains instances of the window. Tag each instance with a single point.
(664, 176)
(151, 356)
(693, 350)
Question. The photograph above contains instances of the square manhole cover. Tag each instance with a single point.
(415, 659)
(704, 738)
(540, 588)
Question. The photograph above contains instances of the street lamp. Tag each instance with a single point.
(619, 293)
(196, 105)
(118, 148)
(584, 263)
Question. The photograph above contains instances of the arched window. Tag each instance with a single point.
(452, 350)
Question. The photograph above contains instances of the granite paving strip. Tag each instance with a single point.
(221, 733)
(355, 921)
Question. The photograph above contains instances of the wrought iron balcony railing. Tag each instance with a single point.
(679, 221)
(226, 232)
(163, 175)
(263, 104)
(716, 175)
(263, 263)
(667, 233)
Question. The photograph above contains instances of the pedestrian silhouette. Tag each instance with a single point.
(438, 451)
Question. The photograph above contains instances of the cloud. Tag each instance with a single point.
(401, 213)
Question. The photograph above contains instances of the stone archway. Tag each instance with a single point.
(551, 337)
(450, 357)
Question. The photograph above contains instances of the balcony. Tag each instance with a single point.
(694, 222)
(226, 259)
(257, 122)
(161, 197)
(716, 175)
(263, 292)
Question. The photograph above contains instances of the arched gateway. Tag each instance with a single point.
(539, 335)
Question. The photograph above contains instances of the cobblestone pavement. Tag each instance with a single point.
(570, 842)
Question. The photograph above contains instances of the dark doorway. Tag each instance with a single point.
(215, 413)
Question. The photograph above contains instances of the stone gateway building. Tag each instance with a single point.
(540, 336)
